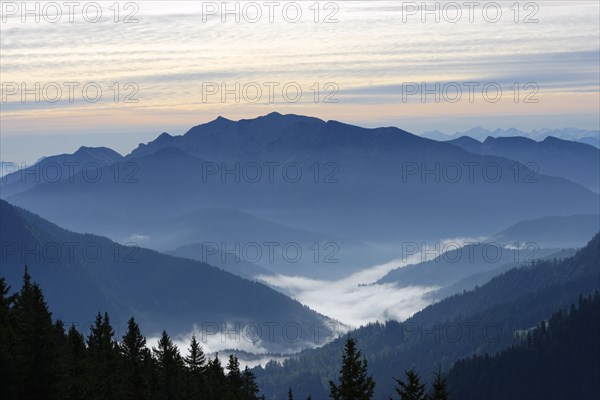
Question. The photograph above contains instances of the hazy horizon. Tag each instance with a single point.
(20, 149)
(368, 54)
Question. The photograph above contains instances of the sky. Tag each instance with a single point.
(170, 66)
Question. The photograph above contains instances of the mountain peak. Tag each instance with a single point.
(104, 151)
(222, 119)
(553, 139)
(476, 132)
(287, 118)
(478, 128)
(87, 148)
(164, 139)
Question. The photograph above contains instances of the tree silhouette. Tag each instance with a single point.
(102, 360)
(354, 383)
(216, 376)
(133, 349)
(39, 360)
(438, 390)
(195, 362)
(7, 338)
(234, 377)
(249, 386)
(36, 352)
(75, 359)
(170, 366)
(412, 389)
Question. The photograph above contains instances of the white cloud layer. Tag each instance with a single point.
(356, 300)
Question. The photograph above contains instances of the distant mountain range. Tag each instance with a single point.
(551, 156)
(86, 160)
(551, 232)
(83, 274)
(188, 223)
(591, 137)
(456, 265)
(327, 179)
(232, 237)
(522, 243)
(484, 275)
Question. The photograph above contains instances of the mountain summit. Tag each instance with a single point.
(273, 132)
(378, 185)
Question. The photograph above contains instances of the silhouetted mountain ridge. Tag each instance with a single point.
(161, 291)
(58, 167)
(381, 185)
(577, 162)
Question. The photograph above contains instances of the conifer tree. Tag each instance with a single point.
(75, 359)
(216, 380)
(439, 391)
(170, 365)
(132, 348)
(195, 362)
(150, 369)
(290, 394)
(196, 359)
(354, 383)
(412, 389)
(249, 386)
(133, 343)
(35, 348)
(7, 340)
(60, 362)
(234, 377)
(102, 360)
(39, 360)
